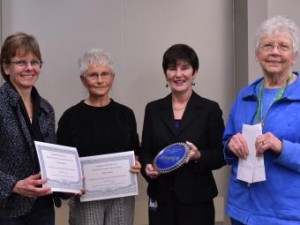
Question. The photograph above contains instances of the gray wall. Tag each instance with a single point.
(137, 32)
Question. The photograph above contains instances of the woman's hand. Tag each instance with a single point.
(80, 193)
(136, 168)
(82, 190)
(194, 153)
(31, 187)
(238, 146)
(151, 172)
(69, 195)
(267, 141)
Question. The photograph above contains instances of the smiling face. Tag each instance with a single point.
(23, 70)
(180, 77)
(275, 54)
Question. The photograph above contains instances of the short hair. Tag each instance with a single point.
(179, 52)
(278, 24)
(18, 44)
(94, 57)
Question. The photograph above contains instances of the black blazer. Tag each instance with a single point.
(201, 124)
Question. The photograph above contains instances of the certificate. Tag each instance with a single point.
(60, 165)
(107, 176)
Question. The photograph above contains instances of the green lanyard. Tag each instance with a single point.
(258, 115)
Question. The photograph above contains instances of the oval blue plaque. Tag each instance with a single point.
(171, 157)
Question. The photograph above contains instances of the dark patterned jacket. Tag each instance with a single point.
(18, 158)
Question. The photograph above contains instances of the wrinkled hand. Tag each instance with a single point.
(79, 194)
(238, 146)
(266, 142)
(82, 190)
(151, 172)
(69, 195)
(136, 168)
(31, 187)
(194, 153)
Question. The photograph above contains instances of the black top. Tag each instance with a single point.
(98, 130)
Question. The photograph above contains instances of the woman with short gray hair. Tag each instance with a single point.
(95, 126)
(272, 104)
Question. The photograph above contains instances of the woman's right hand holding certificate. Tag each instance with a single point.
(31, 187)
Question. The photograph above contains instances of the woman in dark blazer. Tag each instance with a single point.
(184, 196)
(25, 117)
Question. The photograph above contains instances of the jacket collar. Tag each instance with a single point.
(166, 102)
(292, 93)
(15, 98)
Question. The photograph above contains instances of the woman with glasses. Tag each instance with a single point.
(95, 126)
(183, 196)
(270, 107)
(25, 117)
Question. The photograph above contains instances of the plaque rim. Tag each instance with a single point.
(176, 165)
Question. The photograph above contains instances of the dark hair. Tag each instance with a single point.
(180, 52)
(15, 44)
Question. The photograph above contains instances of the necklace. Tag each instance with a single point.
(258, 116)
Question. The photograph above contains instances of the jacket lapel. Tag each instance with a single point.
(191, 112)
(167, 116)
(15, 102)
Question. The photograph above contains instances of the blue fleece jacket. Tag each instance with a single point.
(275, 201)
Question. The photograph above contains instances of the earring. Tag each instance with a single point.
(167, 85)
(193, 83)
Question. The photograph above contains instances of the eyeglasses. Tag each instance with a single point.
(23, 63)
(280, 47)
(95, 76)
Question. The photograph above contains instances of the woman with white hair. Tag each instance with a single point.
(273, 103)
(95, 126)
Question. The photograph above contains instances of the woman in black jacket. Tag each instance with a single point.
(184, 196)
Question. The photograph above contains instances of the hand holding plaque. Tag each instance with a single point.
(171, 157)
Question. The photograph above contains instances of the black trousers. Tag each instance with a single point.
(173, 212)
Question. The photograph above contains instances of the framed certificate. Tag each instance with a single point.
(60, 165)
(107, 176)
